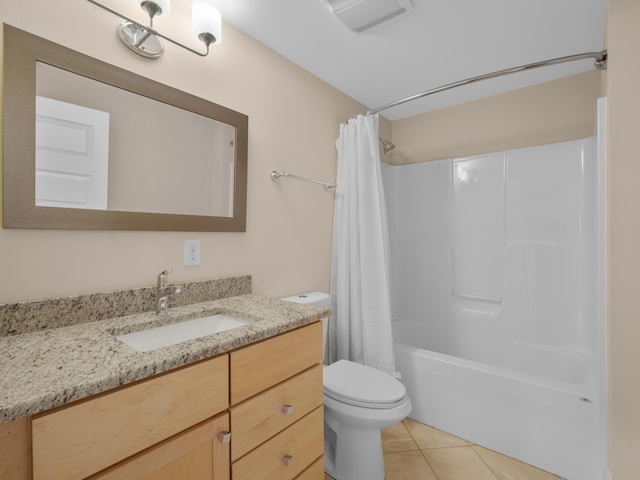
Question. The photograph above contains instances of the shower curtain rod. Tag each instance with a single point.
(600, 62)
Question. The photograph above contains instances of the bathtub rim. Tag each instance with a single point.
(585, 391)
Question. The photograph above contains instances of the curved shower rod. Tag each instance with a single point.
(600, 62)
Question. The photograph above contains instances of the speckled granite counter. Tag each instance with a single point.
(26, 317)
(45, 369)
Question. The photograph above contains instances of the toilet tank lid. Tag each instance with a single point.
(317, 299)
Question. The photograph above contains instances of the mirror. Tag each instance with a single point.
(91, 146)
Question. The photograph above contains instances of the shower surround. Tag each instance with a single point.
(496, 301)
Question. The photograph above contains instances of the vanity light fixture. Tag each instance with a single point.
(144, 40)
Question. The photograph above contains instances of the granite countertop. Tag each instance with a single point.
(49, 368)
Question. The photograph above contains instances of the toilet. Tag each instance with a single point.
(358, 402)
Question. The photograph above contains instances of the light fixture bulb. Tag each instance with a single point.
(206, 22)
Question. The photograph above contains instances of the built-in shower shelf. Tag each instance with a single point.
(476, 304)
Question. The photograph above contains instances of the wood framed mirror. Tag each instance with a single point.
(172, 161)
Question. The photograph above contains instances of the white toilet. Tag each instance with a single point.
(358, 402)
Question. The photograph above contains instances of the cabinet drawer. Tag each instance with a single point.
(87, 437)
(259, 366)
(285, 455)
(314, 472)
(273, 410)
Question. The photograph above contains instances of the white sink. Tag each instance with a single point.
(158, 337)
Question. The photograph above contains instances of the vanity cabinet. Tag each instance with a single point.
(176, 425)
(277, 412)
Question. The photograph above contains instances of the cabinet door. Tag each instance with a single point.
(85, 438)
(14, 450)
(198, 454)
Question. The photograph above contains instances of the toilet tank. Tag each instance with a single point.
(316, 299)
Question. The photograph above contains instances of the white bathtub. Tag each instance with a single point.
(536, 405)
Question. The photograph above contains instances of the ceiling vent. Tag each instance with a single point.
(362, 15)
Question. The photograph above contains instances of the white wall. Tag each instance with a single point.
(497, 249)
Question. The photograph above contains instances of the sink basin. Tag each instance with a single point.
(166, 335)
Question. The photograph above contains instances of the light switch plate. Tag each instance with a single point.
(191, 252)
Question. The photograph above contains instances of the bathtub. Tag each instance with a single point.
(533, 404)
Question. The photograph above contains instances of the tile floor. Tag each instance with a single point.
(413, 451)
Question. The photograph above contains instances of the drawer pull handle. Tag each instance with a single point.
(224, 437)
(287, 409)
(287, 460)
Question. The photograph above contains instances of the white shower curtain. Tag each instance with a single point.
(360, 293)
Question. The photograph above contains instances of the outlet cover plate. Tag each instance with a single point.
(191, 252)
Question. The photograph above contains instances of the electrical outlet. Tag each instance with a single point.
(191, 252)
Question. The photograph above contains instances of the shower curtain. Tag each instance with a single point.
(360, 328)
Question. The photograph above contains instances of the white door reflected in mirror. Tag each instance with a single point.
(72, 155)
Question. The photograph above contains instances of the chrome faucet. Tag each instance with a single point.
(163, 290)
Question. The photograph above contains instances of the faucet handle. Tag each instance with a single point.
(163, 277)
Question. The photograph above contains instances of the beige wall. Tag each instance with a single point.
(549, 112)
(623, 134)
(293, 123)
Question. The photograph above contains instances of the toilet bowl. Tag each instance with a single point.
(358, 402)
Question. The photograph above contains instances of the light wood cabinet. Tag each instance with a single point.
(262, 365)
(268, 394)
(277, 411)
(87, 437)
(269, 412)
(194, 454)
(14, 450)
(285, 455)
(314, 472)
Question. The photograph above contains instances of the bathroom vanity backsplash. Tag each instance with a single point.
(27, 317)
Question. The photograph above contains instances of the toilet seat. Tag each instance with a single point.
(359, 385)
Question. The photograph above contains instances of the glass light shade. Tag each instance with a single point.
(206, 18)
(164, 5)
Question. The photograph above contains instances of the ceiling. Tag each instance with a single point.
(437, 42)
